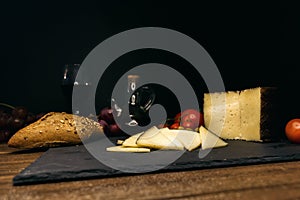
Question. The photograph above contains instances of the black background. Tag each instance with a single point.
(252, 43)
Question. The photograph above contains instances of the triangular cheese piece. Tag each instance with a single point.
(131, 141)
(172, 137)
(210, 140)
(189, 139)
(152, 138)
(128, 149)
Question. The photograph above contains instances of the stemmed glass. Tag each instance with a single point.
(67, 83)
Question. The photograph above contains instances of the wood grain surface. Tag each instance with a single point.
(265, 181)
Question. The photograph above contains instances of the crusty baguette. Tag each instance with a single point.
(55, 129)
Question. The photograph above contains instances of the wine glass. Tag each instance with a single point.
(67, 83)
(121, 107)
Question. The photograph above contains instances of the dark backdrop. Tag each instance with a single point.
(252, 43)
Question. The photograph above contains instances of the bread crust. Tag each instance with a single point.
(55, 129)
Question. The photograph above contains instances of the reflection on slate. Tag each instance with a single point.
(76, 163)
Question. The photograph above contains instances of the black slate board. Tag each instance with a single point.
(76, 163)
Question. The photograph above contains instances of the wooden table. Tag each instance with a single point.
(265, 181)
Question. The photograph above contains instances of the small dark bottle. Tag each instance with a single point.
(140, 103)
(146, 96)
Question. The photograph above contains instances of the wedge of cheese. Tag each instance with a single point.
(131, 141)
(190, 140)
(169, 139)
(154, 139)
(210, 140)
(244, 115)
(172, 137)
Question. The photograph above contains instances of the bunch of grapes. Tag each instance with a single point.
(13, 119)
(107, 121)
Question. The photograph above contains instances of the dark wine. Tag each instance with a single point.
(67, 93)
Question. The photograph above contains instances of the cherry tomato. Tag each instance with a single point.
(192, 118)
(175, 126)
(292, 130)
(188, 124)
(177, 118)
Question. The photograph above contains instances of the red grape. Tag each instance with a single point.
(3, 120)
(5, 135)
(13, 119)
(17, 124)
(106, 114)
(19, 112)
(114, 129)
(105, 125)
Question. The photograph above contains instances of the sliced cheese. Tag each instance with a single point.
(120, 141)
(128, 149)
(210, 140)
(131, 141)
(154, 139)
(172, 137)
(189, 139)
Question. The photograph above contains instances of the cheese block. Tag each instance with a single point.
(222, 113)
(243, 115)
(210, 140)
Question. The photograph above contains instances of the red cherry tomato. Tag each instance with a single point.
(292, 130)
(194, 117)
(188, 124)
(177, 118)
(175, 126)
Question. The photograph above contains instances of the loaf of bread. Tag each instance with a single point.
(55, 129)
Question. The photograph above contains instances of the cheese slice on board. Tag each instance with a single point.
(189, 139)
(172, 137)
(154, 139)
(210, 140)
(131, 141)
(128, 149)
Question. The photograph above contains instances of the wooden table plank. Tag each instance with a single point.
(264, 181)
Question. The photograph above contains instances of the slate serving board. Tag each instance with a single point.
(77, 163)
